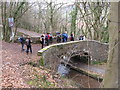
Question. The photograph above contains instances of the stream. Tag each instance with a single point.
(80, 79)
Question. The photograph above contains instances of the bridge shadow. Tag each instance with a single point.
(81, 57)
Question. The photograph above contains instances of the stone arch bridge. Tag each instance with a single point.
(54, 54)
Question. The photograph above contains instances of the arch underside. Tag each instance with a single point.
(77, 57)
(80, 57)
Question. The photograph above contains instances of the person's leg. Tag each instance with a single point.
(63, 40)
(57, 40)
(48, 41)
(42, 45)
(27, 49)
(51, 40)
(30, 48)
(60, 40)
(23, 47)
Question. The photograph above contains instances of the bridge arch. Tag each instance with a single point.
(80, 57)
(54, 54)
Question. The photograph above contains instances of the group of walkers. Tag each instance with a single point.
(46, 39)
(63, 37)
(26, 41)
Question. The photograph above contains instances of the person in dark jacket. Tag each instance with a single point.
(28, 44)
(58, 37)
(51, 38)
(47, 39)
(81, 37)
(22, 41)
(71, 37)
(42, 40)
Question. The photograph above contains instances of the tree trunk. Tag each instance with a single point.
(73, 21)
(111, 75)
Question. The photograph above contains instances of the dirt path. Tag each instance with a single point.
(12, 58)
(30, 33)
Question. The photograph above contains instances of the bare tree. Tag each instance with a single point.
(73, 21)
(94, 15)
(111, 76)
(15, 10)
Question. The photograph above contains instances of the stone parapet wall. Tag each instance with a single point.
(53, 54)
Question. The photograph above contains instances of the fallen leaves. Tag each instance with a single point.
(11, 70)
(15, 75)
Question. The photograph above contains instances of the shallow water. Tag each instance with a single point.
(82, 80)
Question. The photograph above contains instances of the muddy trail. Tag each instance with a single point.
(12, 58)
(17, 74)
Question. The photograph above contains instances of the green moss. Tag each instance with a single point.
(41, 82)
(30, 82)
(99, 62)
(43, 78)
(41, 61)
(94, 75)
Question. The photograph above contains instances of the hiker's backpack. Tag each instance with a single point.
(19, 39)
(27, 42)
(46, 37)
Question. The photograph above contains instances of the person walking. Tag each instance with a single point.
(64, 37)
(71, 37)
(47, 39)
(28, 44)
(51, 38)
(81, 37)
(42, 40)
(58, 37)
(22, 41)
